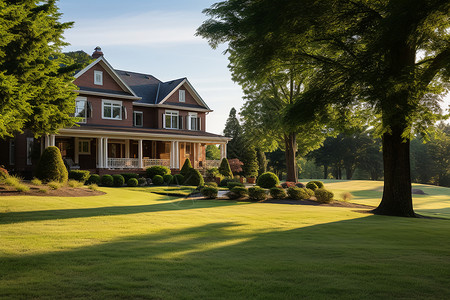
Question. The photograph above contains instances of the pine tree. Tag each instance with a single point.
(225, 169)
(234, 130)
(186, 167)
(250, 160)
(35, 91)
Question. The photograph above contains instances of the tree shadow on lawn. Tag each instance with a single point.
(368, 257)
(58, 214)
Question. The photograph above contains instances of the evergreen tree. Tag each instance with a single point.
(35, 91)
(186, 167)
(250, 160)
(225, 169)
(262, 161)
(233, 130)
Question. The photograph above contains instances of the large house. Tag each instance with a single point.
(126, 120)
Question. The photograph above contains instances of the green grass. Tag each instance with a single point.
(133, 244)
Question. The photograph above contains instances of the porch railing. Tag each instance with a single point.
(123, 163)
(148, 162)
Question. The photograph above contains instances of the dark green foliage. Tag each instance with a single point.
(232, 184)
(79, 175)
(250, 160)
(3, 173)
(94, 179)
(310, 192)
(158, 180)
(237, 192)
(194, 178)
(157, 170)
(233, 130)
(277, 193)
(318, 183)
(107, 180)
(214, 184)
(177, 179)
(186, 167)
(323, 195)
(312, 185)
(267, 180)
(51, 166)
(127, 176)
(257, 193)
(296, 193)
(212, 152)
(262, 161)
(224, 182)
(225, 169)
(168, 179)
(132, 182)
(118, 180)
(142, 181)
(300, 185)
(209, 192)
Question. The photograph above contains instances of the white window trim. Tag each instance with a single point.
(80, 149)
(182, 95)
(85, 109)
(98, 82)
(112, 102)
(30, 143)
(134, 118)
(172, 113)
(192, 115)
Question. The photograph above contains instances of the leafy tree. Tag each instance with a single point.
(389, 56)
(234, 130)
(35, 91)
(212, 152)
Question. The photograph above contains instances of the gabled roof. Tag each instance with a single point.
(108, 68)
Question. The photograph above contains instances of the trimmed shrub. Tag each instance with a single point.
(158, 180)
(214, 184)
(168, 179)
(3, 173)
(323, 195)
(36, 181)
(267, 180)
(296, 193)
(157, 170)
(318, 183)
(79, 175)
(94, 179)
(300, 185)
(132, 182)
(311, 185)
(232, 184)
(224, 182)
(212, 173)
(287, 184)
(178, 179)
(118, 180)
(277, 193)
(186, 167)
(107, 180)
(209, 192)
(93, 187)
(51, 166)
(193, 177)
(225, 169)
(257, 193)
(127, 176)
(142, 181)
(237, 192)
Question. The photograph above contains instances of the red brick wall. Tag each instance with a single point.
(87, 80)
(174, 98)
(96, 116)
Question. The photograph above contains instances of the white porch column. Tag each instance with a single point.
(223, 151)
(76, 150)
(172, 155)
(46, 141)
(177, 155)
(52, 140)
(140, 164)
(100, 152)
(105, 153)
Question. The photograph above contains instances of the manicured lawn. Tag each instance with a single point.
(134, 244)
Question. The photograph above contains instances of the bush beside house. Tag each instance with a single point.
(51, 166)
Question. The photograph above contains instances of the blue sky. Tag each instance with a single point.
(157, 37)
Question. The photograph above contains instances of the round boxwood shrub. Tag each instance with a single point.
(157, 170)
(51, 166)
(79, 175)
(257, 193)
(224, 182)
(177, 179)
(193, 177)
(296, 193)
(107, 180)
(127, 176)
(318, 183)
(237, 192)
(118, 180)
(158, 180)
(186, 166)
(277, 193)
(209, 192)
(142, 181)
(323, 195)
(132, 182)
(267, 180)
(310, 192)
(311, 185)
(93, 179)
(232, 184)
(167, 179)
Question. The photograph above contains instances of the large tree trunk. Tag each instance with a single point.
(325, 171)
(397, 198)
(290, 152)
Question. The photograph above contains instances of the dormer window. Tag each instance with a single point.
(182, 95)
(98, 77)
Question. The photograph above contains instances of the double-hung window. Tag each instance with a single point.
(138, 118)
(84, 147)
(81, 109)
(171, 119)
(193, 121)
(112, 109)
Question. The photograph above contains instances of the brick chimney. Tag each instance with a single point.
(97, 53)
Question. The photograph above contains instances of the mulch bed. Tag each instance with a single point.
(61, 192)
